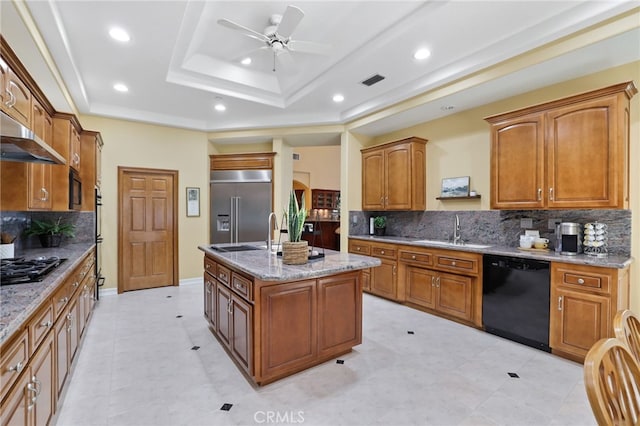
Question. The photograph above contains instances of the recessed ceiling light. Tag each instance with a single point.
(220, 107)
(120, 87)
(246, 61)
(338, 97)
(119, 34)
(421, 54)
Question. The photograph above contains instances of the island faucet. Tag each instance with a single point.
(270, 228)
(457, 238)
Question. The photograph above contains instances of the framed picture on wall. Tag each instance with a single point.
(193, 202)
(455, 187)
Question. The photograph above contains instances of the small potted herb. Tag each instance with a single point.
(50, 232)
(379, 225)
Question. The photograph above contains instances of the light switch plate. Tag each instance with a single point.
(526, 223)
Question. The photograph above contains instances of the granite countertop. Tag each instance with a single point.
(580, 259)
(19, 301)
(269, 267)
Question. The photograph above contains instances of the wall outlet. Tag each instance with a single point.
(552, 223)
(354, 219)
(526, 223)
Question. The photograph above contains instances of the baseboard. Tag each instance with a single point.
(111, 291)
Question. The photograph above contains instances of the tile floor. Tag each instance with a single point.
(137, 367)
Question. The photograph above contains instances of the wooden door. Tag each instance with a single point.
(582, 155)
(20, 105)
(398, 177)
(421, 287)
(577, 320)
(242, 333)
(373, 180)
(62, 351)
(223, 325)
(42, 368)
(518, 164)
(148, 228)
(383, 279)
(39, 186)
(14, 408)
(454, 295)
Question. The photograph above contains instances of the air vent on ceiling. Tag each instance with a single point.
(373, 80)
(296, 156)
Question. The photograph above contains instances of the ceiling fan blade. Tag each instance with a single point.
(244, 30)
(285, 58)
(290, 20)
(309, 47)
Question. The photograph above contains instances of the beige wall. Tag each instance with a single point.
(134, 144)
(459, 146)
(322, 163)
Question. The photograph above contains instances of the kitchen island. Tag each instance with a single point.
(275, 320)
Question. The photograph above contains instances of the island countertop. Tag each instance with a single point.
(268, 266)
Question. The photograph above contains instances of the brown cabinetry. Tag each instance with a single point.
(394, 176)
(382, 280)
(570, 153)
(324, 199)
(359, 247)
(16, 96)
(584, 300)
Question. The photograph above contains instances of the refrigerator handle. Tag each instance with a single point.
(232, 223)
(237, 219)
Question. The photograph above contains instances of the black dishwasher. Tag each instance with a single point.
(515, 299)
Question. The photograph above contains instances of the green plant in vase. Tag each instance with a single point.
(379, 225)
(295, 251)
(50, 232)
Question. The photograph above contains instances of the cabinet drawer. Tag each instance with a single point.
(223, 274)
(242, 286)
(39, 326)
(359, 248)
(583, 278)
(454, 263)
(61, 298)
(209, 266)
(385, 252)
(14, 360)
(415, 257)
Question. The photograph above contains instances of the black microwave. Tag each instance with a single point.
(75, 190)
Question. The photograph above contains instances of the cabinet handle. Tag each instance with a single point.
(438, 282)
(229, 306)
(381, 251)
(551, 194)
(394, 269)
(46, 324)
(453, 263)
(76, 158)
(75, 284)
(12, 99)
(64, 300)
(559, 303)
(433, 281)
(357, 248)
(17, 368)
(413, 257)
(580, 281)
(38, 385)
(239, 287)
(207, 266)
(539, 194)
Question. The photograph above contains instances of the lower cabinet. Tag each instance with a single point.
(584, 300)
(382, 280)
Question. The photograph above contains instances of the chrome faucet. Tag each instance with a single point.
(270, 228)
(457, 238)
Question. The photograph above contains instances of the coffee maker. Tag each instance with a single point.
(569, 238)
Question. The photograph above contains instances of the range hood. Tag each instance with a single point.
(19, 143)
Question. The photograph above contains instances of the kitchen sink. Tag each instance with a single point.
(448, 244)
(227, 249)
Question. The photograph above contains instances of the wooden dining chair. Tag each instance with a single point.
(626, 326)
(612, 380)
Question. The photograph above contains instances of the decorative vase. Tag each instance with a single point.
(295, 253)
(379, 231)
(49, 240)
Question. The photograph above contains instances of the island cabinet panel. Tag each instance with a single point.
(289, 327)
(223, 325)
(339, 313)
(241, 322)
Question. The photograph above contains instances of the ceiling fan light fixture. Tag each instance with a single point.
(246, 61)
(422, 54)
(220, 107)
(337, 98)
(119, 34)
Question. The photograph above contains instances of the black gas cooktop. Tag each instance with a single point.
(20, 270)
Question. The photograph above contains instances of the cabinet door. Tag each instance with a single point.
(62, 338)
(242, 333)
(39, 186)
(42, 385)
(74, 149)
(4, 76)
(454, 295)
(19, 104)
(578, 320)
(289, 327)
(223, 326)
(421, 286)
(383, 279)
(14, 409)
(339, 313)
(517, 163)
(366, 280)
(207, 296)
(398, 177)
(582, 155)
(373, 186)
(74, 326)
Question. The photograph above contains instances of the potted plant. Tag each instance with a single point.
(50, 232)
(295, 251)
(379, 225)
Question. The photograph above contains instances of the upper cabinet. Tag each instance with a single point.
(16, 97)
(565, 154)
(324, 199)
(394, 176)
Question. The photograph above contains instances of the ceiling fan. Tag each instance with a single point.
(277, 36)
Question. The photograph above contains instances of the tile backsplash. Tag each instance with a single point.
(497, 227)
(14, 223)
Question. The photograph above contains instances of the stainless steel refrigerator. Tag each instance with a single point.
(240, 205)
